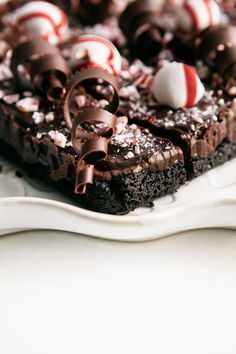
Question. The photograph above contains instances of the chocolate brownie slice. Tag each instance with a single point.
(199, 131)
(151, 151)
(139, 166)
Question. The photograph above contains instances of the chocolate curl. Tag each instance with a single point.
(230, 80)
(49, 76)
(84, 176)
(91, 116)
(210, 40)
(91, 151)
(139, 22)
(90, 11)
(47, 68)
(90, 146)
(225, 59)
(26, 50)
(217, 46)
(86, 75)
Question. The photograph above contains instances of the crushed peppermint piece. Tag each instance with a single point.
(27, 94)
(1, 94)
(215, 118)
(5, 72)
(121, 123)
(198, 120)
(103, 103)
(80, 100)
(130, 92)
(137, 150)
(59, 138)
(39, 135)
(221, 48)
(49, 117)
(137, 133)
(28, 104)
(38, 117)
(221, 102)
(130, 155)
(232, 91)
(10, 99)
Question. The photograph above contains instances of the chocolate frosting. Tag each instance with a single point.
(90, 146)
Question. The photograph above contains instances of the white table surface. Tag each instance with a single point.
(63, 293)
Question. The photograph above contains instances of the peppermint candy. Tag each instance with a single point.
(40, 18)
(177, 85)
(198, 15)
(95, 51)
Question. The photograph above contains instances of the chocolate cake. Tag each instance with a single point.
(113, 132)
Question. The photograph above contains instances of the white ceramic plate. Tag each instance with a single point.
(208, 201)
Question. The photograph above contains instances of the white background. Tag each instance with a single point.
(64, 293)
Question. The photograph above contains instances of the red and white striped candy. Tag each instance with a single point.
(92, 51)
(40, 18)
(177, 85)
(198, 15)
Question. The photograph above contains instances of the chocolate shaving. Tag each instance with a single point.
(90, 146)
(47, 68)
